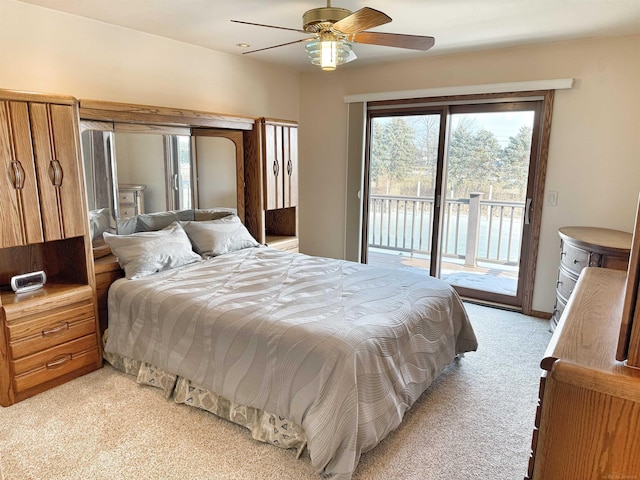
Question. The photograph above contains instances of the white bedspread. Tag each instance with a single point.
(340, 348)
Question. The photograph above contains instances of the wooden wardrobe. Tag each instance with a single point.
(47, 336)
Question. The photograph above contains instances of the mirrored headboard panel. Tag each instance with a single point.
(142, 159)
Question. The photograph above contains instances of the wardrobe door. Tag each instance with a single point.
(54, 131)
(273, 167)
(20, 210)
(290, 143)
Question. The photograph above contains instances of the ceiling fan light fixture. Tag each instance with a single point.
(328, 52)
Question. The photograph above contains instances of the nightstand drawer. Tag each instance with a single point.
(30, 336)
(54, 362)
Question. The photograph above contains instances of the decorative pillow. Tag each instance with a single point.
(145, 253)
(215, 237)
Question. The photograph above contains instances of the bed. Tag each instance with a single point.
(304, 351)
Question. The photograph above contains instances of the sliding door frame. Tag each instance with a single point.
(536, 180)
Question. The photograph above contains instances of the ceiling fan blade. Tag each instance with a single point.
(269, 26)
(414, 42)
(361, 20)
(281, 45)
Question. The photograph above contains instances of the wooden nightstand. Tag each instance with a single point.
(50, 336)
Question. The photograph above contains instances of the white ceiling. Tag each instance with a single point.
(457, 25)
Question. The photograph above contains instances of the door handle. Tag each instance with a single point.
(55, 173)
(17, 175)
(527, 212)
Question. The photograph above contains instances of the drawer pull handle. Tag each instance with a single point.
(575, 260)
(58, 361)
(56, 330)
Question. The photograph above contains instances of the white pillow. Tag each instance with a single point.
(222, 235)
(145, 253)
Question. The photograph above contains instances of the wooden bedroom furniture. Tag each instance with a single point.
(582, 247)
(47, 336)
(587, 425)
(127, 117)
(271, 175)
(130, 200)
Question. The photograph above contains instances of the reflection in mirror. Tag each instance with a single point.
(97, 152)
(179, 168)
(140, 161)
(216, 170)
(133, 168)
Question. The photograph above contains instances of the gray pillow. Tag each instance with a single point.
(148, 222)
(212, 213)
(216, 237)
(99, 222)
(145, 253)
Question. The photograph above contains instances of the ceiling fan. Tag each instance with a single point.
(334, 29)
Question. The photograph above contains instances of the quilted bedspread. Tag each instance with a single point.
(340, 348)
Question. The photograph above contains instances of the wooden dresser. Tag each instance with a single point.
(587, 425)
(130, 200)
(582, 247)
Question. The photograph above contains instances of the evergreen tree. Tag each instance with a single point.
(514, 164)
(393, 151)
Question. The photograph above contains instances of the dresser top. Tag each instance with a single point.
(594, 236)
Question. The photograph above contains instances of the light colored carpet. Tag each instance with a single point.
(474, 422)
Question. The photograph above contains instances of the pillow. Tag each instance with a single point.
(99, 222)
(148, 222)
(127, 226)
(201, 214)
(215, 237)
(145, 253)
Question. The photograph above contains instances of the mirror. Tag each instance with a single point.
(216, 172)
(158, 169)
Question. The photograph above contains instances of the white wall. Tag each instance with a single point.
(46, 51)
(594, 156)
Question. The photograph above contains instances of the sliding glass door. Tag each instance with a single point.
(449, 190)
(403, 180)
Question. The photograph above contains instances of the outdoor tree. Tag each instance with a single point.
(392, 150)
(426, 139)
(514, 163)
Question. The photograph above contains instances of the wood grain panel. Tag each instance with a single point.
(272, 166)
(586, 434)
(49, 369)
(254, 186)
(125, 112)
(291, 170)
(55, 138)
(20, 212)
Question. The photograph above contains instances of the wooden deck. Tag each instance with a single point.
(487, 277)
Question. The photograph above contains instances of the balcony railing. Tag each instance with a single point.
(472, 229)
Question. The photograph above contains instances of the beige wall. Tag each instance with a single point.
(594, 160)
(594, 157)
(46, 51)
